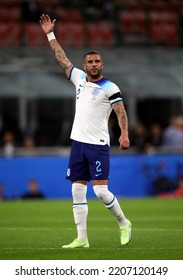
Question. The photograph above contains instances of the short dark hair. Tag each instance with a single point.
(92, 52)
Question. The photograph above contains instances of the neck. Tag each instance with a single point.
(93, 79)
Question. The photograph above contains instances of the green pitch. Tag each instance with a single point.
(36, 230)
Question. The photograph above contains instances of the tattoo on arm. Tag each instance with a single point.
(120, 111)
(61, 56)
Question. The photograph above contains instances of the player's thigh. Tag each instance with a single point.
(78, 167)
(98, 158)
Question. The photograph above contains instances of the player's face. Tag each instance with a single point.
(93, 65)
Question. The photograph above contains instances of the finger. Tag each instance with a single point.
(43, 18)
(124, 146)
(48, 18)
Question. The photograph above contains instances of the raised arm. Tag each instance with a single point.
(120, 111)
(48, 28)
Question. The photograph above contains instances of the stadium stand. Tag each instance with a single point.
(71, 34)
(33, 35)
(100, 34)
(164, 27)
(10, 34)
(133, 21)
(10, 13)
(129, 28)
(146, 22)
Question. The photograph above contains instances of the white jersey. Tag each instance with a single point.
(93, 108)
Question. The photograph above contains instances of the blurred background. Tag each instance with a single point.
(141, 42)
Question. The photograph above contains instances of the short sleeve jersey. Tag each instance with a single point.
(93, 108)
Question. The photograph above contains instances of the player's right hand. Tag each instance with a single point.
(46, 23)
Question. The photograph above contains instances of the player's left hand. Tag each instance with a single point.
(124, 142)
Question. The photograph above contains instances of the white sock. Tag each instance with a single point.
(111, 203)
(80, 210)
(118, 213)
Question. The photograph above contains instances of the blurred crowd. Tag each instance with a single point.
(143, 139)
(149, 140)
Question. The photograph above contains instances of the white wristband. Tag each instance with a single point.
(51, 36)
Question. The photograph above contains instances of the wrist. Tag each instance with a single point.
(50, 36)
(124, 132)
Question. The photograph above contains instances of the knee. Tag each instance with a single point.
(100, 191)
(105, 195)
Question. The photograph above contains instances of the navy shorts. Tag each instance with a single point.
(88, 162)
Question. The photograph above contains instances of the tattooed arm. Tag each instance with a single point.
(120, 111)
(48, 27)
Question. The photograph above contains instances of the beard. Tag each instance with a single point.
(94, 73)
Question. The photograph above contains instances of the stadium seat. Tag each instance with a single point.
(163, 6)
(132, 21)
(136, 6)
(74, 15)
(163, 17)
(107, 34)
(9, 14)
(14, 14)
(2, 14)
(140, 21)
(126, 21)
(158, 6)
(100, 34)
(164, 27)
(63, 33)
(164, 34)
(70, 34)
(9, 34)
(77, 33)
(33, 35)
(61, 14)
(69, 15)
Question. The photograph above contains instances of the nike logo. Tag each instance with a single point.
(96, 175)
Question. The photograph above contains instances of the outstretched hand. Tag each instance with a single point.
(46, 23)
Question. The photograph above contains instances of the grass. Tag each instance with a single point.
(36, 230)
